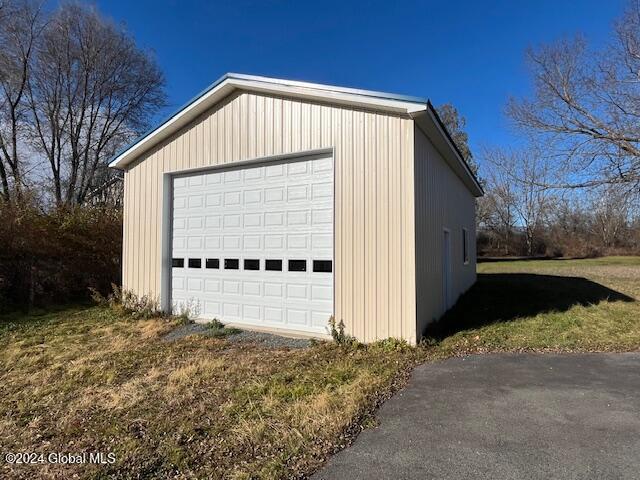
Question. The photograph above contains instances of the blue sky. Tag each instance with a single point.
(470, 53)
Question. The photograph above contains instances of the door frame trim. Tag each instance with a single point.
(447, 293)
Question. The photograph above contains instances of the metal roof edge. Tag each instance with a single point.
(433, 113)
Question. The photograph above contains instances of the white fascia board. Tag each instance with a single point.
(263, 85)
(336, 97)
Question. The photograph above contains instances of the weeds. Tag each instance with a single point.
(339, 335)
(186, 311)
(218, 329)
(127, 303)
(199, 408)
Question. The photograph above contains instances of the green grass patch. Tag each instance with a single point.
(546, 305)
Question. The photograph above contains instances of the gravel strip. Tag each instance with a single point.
(268, 340)
(242, 336)
(184, 331)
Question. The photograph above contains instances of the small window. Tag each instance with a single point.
(322, 266)
(297, 265)
(195, 263)
(251, 264)
(177, 263)
(212, 263)
(273, 265)
(231, 264)
(465, 245)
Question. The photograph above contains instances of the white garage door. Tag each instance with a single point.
(254, 245)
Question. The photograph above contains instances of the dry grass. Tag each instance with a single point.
(87, 380)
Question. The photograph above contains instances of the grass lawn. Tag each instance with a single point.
(87, 380)
(547, 305)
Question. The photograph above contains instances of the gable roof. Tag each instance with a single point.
(419, 108)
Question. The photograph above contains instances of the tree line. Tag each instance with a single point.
(572, 187)
(74, 89)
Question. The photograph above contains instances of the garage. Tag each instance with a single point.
(253, 245)
(274, 204)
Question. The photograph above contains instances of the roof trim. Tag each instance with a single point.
(453, 144)
(226, 84)
(436, 131)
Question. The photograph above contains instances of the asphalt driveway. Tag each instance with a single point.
(506, 417)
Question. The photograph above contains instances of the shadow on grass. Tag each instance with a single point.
(502, 297)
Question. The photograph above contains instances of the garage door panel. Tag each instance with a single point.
(277, 212)
(212, 286)
(274, 219)
(273, 315)
(252, 197)
(274, 195)
(194, 243)
(252, 242)
(195, 223)
(253, 174)
(231, 242)
(298, 218)
(231, 311)
(298, 242)
(251, 312)
(323, 166)
(213, 179)
(212, 243)
(275, 171)
(297, 193)
(212, 309)
(232, 177)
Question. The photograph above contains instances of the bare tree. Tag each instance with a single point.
(20, 27)
(91, 90)
(519, 200)
(497, 212)
(610, 211)
(456, 124)
(588, 103)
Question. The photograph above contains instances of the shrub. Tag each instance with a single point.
(126, 302)
(219, 329)
(54, 256)
(391, 344)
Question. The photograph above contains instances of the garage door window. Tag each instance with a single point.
(297, 265)
(322, 266)
(252, 264)
(177, 263)
(195, 263)
(273, 265)
(231, 264)
(212, 263)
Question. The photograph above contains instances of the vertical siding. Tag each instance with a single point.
(441, 201)
(374, 273)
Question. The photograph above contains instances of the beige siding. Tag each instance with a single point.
(441, 201)
(374, 205)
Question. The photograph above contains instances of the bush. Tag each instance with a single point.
(55, 256)
(125, 302)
